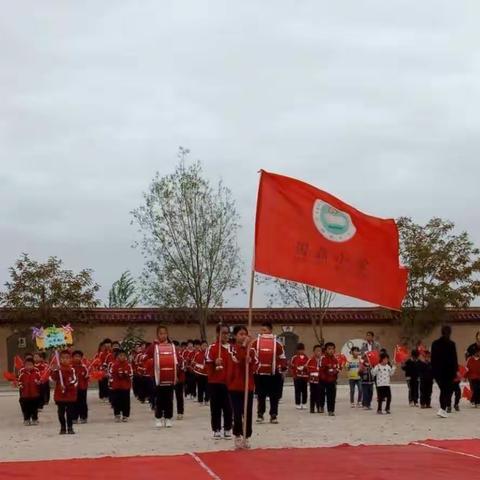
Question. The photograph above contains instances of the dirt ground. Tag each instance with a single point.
(102, 437)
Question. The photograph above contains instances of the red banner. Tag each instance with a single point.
(306, 235)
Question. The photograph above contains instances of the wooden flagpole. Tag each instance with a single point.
(247, 358)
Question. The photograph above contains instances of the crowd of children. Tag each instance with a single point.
(215, 375)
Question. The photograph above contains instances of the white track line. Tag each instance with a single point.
(447, 450)
(204, 466)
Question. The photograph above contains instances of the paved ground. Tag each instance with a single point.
(296, 429)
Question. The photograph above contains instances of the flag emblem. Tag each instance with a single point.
(333, 224)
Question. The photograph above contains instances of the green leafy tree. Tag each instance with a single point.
(133, 336)
(123, 293)
(189, 239)
(47, 293)
(292, 294)
(443, 272)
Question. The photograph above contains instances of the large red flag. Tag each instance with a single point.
(308, 236)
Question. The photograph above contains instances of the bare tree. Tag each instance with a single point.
(189, 240)
(292, 294)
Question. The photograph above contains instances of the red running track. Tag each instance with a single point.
(445, 459)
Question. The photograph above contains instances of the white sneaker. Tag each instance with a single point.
(180, 417)
(304, 406)
(217, 435)
(352, 405)
(238, 442)
(227, 434)
(442, 413)
(159, 423)
(168, 423)
(246, 444)
(298, 407)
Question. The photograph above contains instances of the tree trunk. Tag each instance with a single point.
(202, 322)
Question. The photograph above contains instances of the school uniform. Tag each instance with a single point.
(121, 383)
(65, 395)
(201, 374)
(269, 384)
(190, 380)
(299, 373)
(29, 388)
(179, 387)
(329, 369)
(473, 375)
(236, 386)
(164, 392)
(44, 399)
(81, 405)
(313, 369)
(103, 359)
(217, 384)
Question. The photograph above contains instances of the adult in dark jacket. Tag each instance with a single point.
(444, 366)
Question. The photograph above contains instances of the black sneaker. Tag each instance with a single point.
(388, 412)
(449, 409)
(70, 431)
(273, 419)
(260, 419)
(63, 431)
(457, 408)
(321, 410)
(331, 414)
(379, 412)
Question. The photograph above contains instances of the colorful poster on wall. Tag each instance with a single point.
(52, 337)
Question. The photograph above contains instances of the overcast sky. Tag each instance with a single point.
(376, 102)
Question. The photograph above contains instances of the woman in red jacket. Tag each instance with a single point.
(241, 353)
(65, 393)
(29, 386)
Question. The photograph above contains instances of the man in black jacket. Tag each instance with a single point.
(444, 366)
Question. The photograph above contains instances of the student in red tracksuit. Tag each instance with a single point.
(29, 386)
(80, 413)
(190, 383)
(200, 370)
(42, 365)
(164, 392)
(121, 383)
(329, 369)
(65, 393)
(473, 376)
(217, 362)
(241, 353)
(300, 376)
(180, 385)
(268, 383)
(313, 369)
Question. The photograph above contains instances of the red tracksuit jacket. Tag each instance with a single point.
(69, 392)
(473, 368)
(81, 371)
(298, 364)
(29, 383)
(217, 375)
(198, 363)
(313, 368)
(329, 368)
(121, 375)
(236, 369)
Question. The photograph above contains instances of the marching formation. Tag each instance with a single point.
(227, 374)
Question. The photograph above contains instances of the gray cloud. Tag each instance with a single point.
(373, 101)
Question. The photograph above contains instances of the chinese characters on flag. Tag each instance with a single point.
(306, 235)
